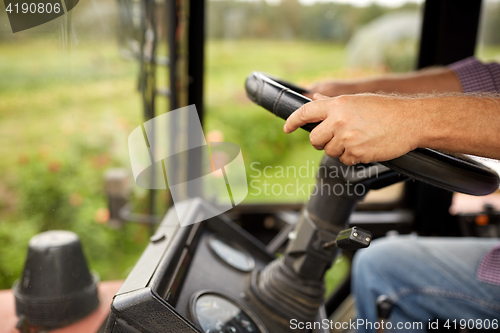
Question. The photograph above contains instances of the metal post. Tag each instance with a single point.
(196, 54)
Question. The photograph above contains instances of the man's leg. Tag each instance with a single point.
(426, 278)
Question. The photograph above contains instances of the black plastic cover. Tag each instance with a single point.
(353, 239)
(56, 287)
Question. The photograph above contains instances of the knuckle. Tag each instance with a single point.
(331, 151)
(351, 156)
(342, 100)
(345, 138)
(345, 159)
(356, 153)
(313, 139)
(350, 137)
(340, 122)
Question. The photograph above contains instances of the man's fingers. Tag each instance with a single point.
(318, 96)
(321, 135)
(334, 149)
(311, 112)
(348, 159)
(315, 95)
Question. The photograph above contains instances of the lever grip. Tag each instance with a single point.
(384, 307)
(353, 239)
(275, 97)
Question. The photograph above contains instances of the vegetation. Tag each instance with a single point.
(290, 20)
(65, 117)
(66, 110)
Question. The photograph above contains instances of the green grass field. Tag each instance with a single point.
(66, 112)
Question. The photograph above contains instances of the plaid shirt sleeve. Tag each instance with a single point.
(475, 76)
(489, 268)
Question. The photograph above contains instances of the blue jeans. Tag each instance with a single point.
(426, 278)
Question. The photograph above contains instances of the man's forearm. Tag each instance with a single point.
(465, 124)
(430, 80)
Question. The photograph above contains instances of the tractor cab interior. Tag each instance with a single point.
(148, 183)
(258, 266)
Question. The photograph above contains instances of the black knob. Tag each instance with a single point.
(384, 307)
(56, 287)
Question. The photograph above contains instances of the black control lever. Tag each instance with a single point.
(351, 239)
(384, 309)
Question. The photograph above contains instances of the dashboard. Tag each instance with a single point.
(196, 278)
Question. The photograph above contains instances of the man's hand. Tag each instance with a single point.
(433, 80)
(334, 88)
(360, 128)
